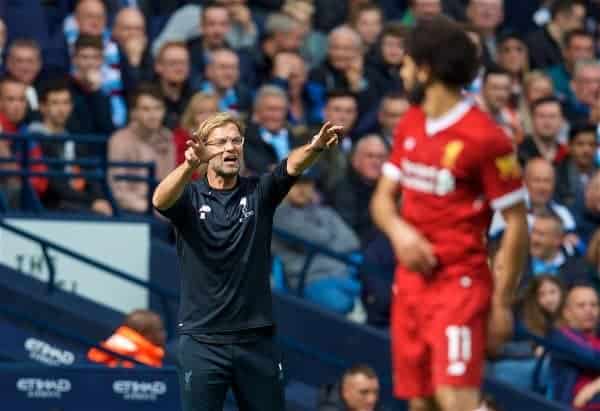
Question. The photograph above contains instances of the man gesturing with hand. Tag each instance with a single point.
(224, 224)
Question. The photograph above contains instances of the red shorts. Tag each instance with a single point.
(438, 330)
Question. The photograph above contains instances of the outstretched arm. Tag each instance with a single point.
(305, 156)
(171, 187)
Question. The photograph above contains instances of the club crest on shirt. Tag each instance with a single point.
(205, 209)
(451, 153)
(245, 212)
(508, 166)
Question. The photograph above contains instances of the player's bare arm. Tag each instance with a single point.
(170, 189)
(411, 248)
(508, 266)
(303, 157)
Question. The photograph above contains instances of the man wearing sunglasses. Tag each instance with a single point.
(224, 224)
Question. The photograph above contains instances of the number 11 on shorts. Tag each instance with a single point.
(459, 349)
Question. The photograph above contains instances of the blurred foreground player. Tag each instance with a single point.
(224, 224)
(452, 166)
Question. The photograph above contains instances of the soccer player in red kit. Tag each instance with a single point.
(452, 166)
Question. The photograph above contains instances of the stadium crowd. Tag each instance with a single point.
(144, 74)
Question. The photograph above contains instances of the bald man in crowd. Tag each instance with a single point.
(351, 196)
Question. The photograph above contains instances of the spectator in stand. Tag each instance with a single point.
(545, 44)
(314, 47)
(91, 107)
(392, 108)
(387, 55)
(548, 123)
(357, 390)
(486, 16)
(367, 20)
(222, 74)
(536, 310)
(495, 99)
(24, 63)
(513, 57)
(77, 193)
(282, 34)
(172, 66)
(341, 108)
(345, 69)
(268, 139)
(587, 209)
(541, 303)
(200, 107)
(352, 195)
(142, 336)
(546, 255)
(574, 368)
(216, 22)
(579, 45)
(290, 73)
(143, 140)
(586, 89)
(90, 18)
(421, 9)
(186, 24)
(13, 107)
(129, 33)
(574, 173)
(328, 282)
(540, 181)
(536, 85)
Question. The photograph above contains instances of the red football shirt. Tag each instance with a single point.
(453, 172)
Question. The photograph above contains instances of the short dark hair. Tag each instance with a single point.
(24, 42)
(562, 6)
(145, 89)
(545, 100)
(341, 93)
(581, 128)
(570, 35)
(362, 369)
(445, 47)
(87, 40)
(494, 70)
(7, 78)
(53, 85)
(361, 8)
(394, 29)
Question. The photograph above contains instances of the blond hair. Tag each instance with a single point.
(217, 121)
(188, 118)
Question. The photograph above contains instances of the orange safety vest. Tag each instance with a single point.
(127, 341)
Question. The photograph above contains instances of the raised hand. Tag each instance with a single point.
(327, 137)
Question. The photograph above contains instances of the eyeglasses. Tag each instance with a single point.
(222, 142)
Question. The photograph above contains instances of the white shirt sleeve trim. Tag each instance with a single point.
(392, 172)
(510, 199)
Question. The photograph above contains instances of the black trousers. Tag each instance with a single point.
(252, 370)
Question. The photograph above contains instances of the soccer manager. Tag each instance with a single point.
(224, 224)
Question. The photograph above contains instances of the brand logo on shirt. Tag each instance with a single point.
(427, 179)
(245, 212)
(409, 143)
(203, 211)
